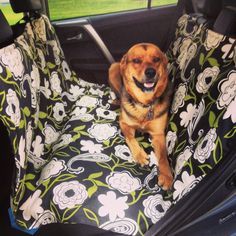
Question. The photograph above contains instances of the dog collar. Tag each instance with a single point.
(150, 113)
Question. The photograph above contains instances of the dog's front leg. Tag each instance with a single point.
(165, 179)
(139, 155)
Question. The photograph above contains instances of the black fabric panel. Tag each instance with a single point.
(6, 33)
(25, 5)
(226, 22)
(210, 8)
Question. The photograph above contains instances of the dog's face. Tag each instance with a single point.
(144, 72)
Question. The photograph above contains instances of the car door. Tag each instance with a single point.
(93, 42)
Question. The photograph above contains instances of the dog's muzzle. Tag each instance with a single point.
(149, 82)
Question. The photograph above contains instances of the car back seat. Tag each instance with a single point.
(73, 172)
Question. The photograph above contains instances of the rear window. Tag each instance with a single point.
(63, 9)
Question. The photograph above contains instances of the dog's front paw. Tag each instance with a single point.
(141, 158)
(165, 181)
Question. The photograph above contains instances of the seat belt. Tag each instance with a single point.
(180, 7)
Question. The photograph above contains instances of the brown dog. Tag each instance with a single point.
(141, 82)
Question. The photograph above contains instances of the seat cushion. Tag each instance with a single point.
(80, 169)
(202, 125)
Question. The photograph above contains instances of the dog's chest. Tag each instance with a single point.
(142, 114)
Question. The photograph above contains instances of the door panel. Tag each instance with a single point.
(91, 59)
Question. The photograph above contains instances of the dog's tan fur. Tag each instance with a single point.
(141, 109)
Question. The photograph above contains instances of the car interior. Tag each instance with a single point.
(65, 165)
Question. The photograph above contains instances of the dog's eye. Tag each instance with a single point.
(137, 61)
(156, 59)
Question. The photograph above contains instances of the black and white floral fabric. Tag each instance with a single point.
(72, 162)
(202, 122)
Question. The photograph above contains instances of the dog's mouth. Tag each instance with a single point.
(147, 86)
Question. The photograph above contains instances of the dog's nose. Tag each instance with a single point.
(150, 72)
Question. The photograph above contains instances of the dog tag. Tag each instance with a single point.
(150, 114)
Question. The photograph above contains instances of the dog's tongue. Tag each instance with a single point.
(148, 85)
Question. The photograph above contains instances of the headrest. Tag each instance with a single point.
(19, 6)
(6, 34)
(209, 8)
(226, 22)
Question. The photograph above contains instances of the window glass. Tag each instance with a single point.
(156, 3)
(62, 9)
(8, 13)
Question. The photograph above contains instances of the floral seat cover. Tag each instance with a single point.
(72, 162)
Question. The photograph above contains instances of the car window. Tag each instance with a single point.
(62, 9)
(157, 3)
(8, 13)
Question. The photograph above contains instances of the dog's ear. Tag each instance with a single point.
(164, 60)
(115, 78)
(123, 63)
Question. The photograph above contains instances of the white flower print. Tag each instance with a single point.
(21, 151)
(69, 194)
(87, 101)
(91, 147)
(42, 58)
(39, 29)
(66, 70)
(13, 108)
(52, 169)
(155, 207)
(50, 134)
(78, 112)
(227, 89)
(187, 116)
(123, 152)
(106, 114)
(176, 46)
(178, 100)
(47, 217)
(32, 206)
(84, 83)
(205, 146)
(34, 74)
(29, 136)
(76, 91)
(45, 89)
(182, 158)
(187, 184)
(65, 139)
(153, 159)
(123, 182)
(227, 47)
(183, 20)
(59, 111)
(231, 111)
(184, 53)
(125, 226)
(1, 69)
(112, 206)
(102, 132)
(38, 146)
(25, 46)
(12, 58)
(56, 51)
(55, 83)
(213, 40)
(97, 91)
(206, 79)
(81, 114)
(171, 138)
(112, 97)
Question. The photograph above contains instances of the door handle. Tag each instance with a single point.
(77, 37)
